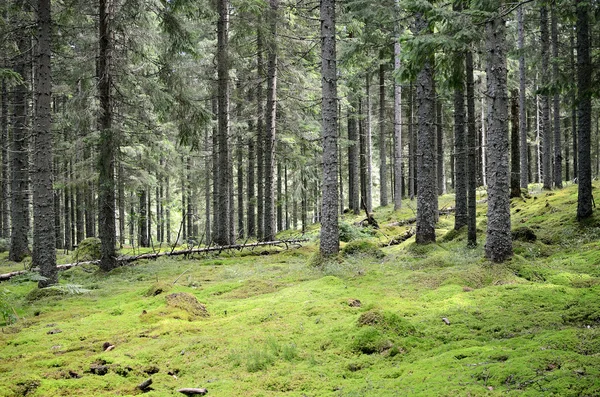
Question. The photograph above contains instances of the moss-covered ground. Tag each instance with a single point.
(373, 322)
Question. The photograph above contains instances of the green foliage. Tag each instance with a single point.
(9, 316)
(88, 250)
(350, 232)
(4, 245)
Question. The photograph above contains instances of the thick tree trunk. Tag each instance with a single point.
(556, 102)
(330, 242)
(19, 176)
(383, 170)
(108, 142)
(353, 161)
(223, 206)
(524, 166)
(515, 165)
(498, 247)
(545, 130)
(426, 172)
(460, 145)
(271, 124)
(398, 185)
(584, 112)
(472, 162)
(44, 253)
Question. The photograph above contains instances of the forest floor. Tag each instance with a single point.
(369, 323)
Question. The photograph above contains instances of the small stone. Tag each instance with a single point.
(189, 391)
(445, 320)
(54, 331)
(354, 303)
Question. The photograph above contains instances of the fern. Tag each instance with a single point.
(70, 289)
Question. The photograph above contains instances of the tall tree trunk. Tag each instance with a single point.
(556, 101)
(398, 185)
(545, 98)
(240, 188)
(515, 165)
(498, 247)
(189, 209)
(215, 168)
(168, 208)
(44, 253)
(472, 162)
(412, 146)
(67, 210)
(522, 107)
(383, 171)
(149, 215)
(425, 153)
(574, 107)
(143, 219)
(260, 138)
(250, 192)
(439, 141)
(121, 202)
(353, 161)
(271, 125)
(330, 241)
(368, 146)
(584, 111)
(304, 204)
(279, 202)
(19, 176)
(108, 142)
(79, 216)
(4, 187)
(132, 217)
(460, 144)
(223, 206)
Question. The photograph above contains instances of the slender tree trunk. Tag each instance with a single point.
(215, 168)
(556, 101)
(440, 175)
(498, 247)
(223, 206)
(362, 138)
(398, 185)
(121, 203)
(260, 139)
(79, 216)
(250, 192)
(353, 161)
(108, 143)
(279, 201)
(460, 145)
(304, 204)
(368, 147)
(584, 111)
(189, 209)
(383, 171)
(184, 199)
(574, 110)
(545, 98)
(149, 215)
(168, 208)
(524, 166)
(515, 165)
(287, 197)
(484, 145)
(271, 125)
(240, 188)
(412, 145)
(4, 139)
(426, 186)
(44, 253)
(472, 163)
(143, 219)
(67, 210)
(132, 218)
(330, 242)
(19, 177)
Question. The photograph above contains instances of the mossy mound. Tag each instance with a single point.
(363, 247)
(188, 303)
(157, 289)
(525, 234)
(387, 322)
(40, 293)
(88, 250)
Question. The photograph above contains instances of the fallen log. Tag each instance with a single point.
(132, 258)
(192, 391)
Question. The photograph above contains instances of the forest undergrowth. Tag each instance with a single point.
(379, 320)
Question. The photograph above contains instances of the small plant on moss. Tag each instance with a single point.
(370, 340)
(363, 247)
(6, 310)
(349, 232)
(259, 360)
(88, 250)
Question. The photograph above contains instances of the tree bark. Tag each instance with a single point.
(574, 110)
(353, 161)
(250, 192)
(19, 177)
(4, 187)
(383, 170)
(279, 202)
(556, 101)
(223, 206)
(398, 186)
(330, 242)
(44, 252)
(425, 151)
(271, 124)
(584, 112)
(515, 165)
(498, 247)
(524, 166)
(460, 144)
(545, 130)
(143, 219)
(412, 145)
(260, 136)
(472, 162)
(108, 142)
(368, 146)
(439, 141)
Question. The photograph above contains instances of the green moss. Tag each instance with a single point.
(188, 303)
(88, 250)
(363, 247)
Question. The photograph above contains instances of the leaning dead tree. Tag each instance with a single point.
(123, 260)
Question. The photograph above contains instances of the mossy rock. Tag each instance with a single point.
(40, 293)
(88, 250)
(525, 234)
(188, 303)
(454, 234)
(363, 247)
